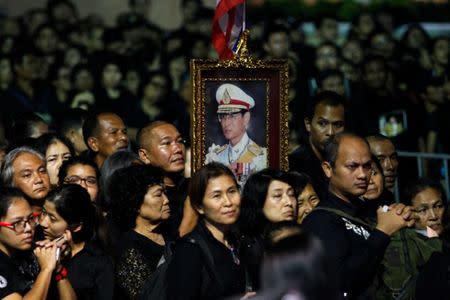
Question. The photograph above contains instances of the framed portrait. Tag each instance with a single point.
(240, 114)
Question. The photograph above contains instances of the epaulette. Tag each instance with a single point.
(255, 149)
(219, 149)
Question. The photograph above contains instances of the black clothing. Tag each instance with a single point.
(12, 280)
(177, 195)
(434, 281)
(357, 248)
(91, 273)
(371, 206)
(137, 260)
(303, 159)
(187, 275)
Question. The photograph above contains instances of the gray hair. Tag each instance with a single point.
(7, 171)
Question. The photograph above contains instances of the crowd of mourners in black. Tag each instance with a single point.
(96, 195)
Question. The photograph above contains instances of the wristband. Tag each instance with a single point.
(61, 274)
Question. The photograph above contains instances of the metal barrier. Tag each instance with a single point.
(420, 158)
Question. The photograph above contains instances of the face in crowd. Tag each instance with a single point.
(155, 207)
(326, 122)
(221, 202)
(385, 151)
(55, 154)
(376, 184)
(30, 176)
(84, 175)
(306, 201)
(350, 175)
(164, 147)
(429, 207)
(111, 137)
(17, 226)
(280, 204)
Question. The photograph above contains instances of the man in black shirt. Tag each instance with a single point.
(356, 246)
(325, 118)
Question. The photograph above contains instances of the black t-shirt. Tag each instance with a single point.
(11, 280)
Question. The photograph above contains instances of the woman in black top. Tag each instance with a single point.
(69, 214)
(214, 194)
(140, 208)
(20, 274)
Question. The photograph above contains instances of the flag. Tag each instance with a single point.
(228, 24)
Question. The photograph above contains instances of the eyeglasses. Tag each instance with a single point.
(19, 226)
(89, 181)
(226, 117)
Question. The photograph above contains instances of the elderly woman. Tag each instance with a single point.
(140, 208)
(268, 197)
(56, 149)
(24, 168)
(307, 197)
(21, 276)
(192, 273)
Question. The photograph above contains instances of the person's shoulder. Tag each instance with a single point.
(256, 149)
(217, 149)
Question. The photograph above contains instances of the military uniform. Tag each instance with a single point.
(245, 158)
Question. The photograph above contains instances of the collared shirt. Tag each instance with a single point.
(235, 152)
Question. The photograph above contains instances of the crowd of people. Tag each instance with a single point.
(96, 200)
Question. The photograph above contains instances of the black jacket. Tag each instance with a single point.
(355, 247)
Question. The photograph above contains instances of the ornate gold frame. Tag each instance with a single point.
(243, 68)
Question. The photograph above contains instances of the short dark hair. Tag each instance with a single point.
(76, 160)
(299, 181)
(127, 189)
(199, 182)
(331, 148)
(71, 119)
(328, 98)
(420, 185)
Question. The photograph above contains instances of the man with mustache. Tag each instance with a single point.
(104, 133)
(160, 144)
(355, 245)
(324, 119)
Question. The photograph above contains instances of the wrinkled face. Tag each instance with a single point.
(353, 52)
(222, 202)
(47, 41)
(375, 75)
(155, 207)
(387, 155)
(441, 51)
(56, 153)
(329, 29)
(111, 137)
(51, 222)
(164, 148)
(429, 207)
(334, 83)
(111, 76)
(85, 176)
(326, 58)
(30, 176)
(376, 184)
(351, 174)
(278, 45)
(19, 210)
(280, 204)
(234, 126)
(306, 201)
(326, 122)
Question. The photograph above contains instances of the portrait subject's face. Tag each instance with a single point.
(234, 126)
